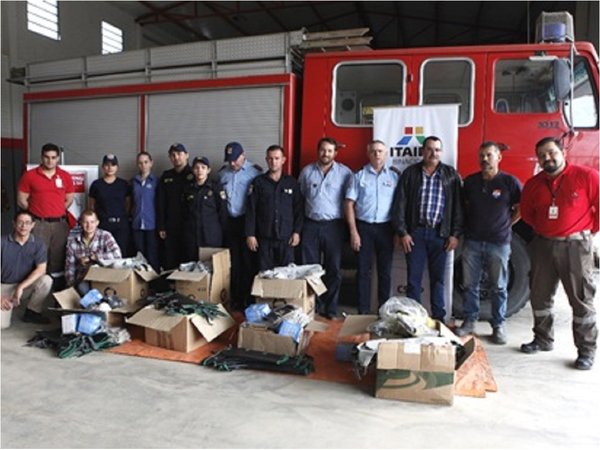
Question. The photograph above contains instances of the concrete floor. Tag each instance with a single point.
(107, 400)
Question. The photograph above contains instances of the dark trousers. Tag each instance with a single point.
(171, 249)
(378, 238)
(571, 262)
(274, 253)
(243, 263)
(322, 244)
(428, 248)
(146, 242)
(120, 231)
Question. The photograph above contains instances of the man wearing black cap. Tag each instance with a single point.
(235, 177)
(110, 197)
(168, 206)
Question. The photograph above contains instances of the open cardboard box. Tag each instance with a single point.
(129, 284)
(178, 332)
(420, 373)
(252, 336)
(69, 303)
(301, 293)
(212, 287)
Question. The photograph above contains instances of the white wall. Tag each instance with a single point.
(79, 25)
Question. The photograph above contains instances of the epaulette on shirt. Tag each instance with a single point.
(257, 167)
(395, 169)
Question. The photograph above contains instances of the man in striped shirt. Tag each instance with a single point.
(428, 218)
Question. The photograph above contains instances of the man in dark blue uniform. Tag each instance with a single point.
(168, 207)
(275, 213)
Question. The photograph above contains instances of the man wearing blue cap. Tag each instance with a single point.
(168, 207)
(323, 185)
(235, 177)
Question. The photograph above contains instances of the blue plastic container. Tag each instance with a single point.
(257, 312)
(91, 298)
(89, 323)
(294, 330)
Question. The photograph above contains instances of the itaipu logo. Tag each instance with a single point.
(411, 144)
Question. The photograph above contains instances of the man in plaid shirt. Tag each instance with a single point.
(428, 219)
(85, 249)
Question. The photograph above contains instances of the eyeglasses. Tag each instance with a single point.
(23, 223)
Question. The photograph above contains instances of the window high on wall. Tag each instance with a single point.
(42, 18)
(112, 39)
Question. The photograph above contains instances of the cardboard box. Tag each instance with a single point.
(301, 293)
(214, 287)
(178, 332)
(414, 372)
(129, 284)
(69, 303)
(257, 337)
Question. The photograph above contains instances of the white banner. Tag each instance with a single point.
(403, 129)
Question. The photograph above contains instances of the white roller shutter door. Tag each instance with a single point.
(205, 121)
(87, 130)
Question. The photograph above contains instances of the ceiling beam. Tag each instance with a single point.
(272, 15)
(316, 12)
(477, 28)
(156, 12)
(176, 22)
(400, 30)
(225, 17)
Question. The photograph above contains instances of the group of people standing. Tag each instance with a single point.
(271, 219)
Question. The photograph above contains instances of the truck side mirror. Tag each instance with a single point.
(562, 78)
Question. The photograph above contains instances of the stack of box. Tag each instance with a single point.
(414, 372)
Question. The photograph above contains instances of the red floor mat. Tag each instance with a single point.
(473, 379)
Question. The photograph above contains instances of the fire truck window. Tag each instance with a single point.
(361, 87)
(585, 109)
(449, 82)
(524, 86)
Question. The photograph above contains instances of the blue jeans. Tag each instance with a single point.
(325, 238)
(428, 247)
(481, 257)
(375, 238)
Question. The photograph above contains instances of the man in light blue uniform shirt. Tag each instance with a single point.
(368, 209)
(235, 177)
(323, 185)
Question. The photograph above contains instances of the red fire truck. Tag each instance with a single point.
(266, 89)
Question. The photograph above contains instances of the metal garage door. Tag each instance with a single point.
(205, 121)
(87, 130)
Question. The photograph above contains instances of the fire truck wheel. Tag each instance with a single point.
(518, 283)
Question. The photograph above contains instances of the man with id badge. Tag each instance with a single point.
(46, 192)
(561, 205)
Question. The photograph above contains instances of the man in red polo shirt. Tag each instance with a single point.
(46, 192)
(561, 204)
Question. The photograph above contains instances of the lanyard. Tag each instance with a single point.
(554, 192)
